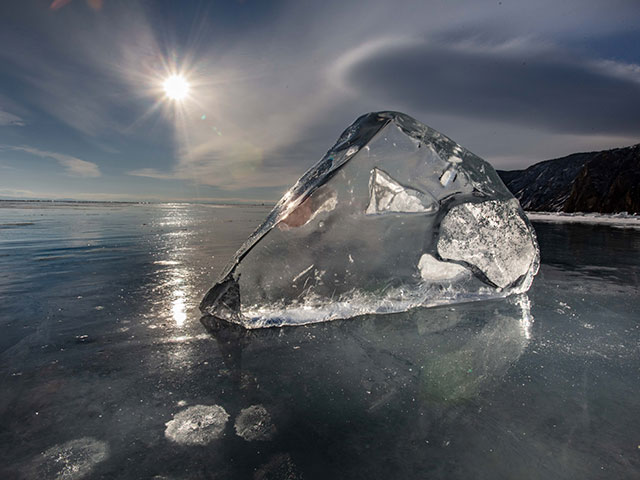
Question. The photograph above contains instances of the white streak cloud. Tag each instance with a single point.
(73, 165)
(518, 81)
(10, 120)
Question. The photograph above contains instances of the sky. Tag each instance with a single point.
(83, 114)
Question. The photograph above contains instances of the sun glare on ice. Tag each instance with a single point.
(176, 87)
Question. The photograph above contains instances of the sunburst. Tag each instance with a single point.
(176, 87)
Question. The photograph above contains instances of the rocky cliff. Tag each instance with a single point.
(605, 182)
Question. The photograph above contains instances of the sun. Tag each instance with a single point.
(176, 87)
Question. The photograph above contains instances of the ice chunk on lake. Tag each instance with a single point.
(394, 216)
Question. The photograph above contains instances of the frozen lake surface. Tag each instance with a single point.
(107, 372)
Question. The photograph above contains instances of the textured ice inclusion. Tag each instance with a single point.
(394, 216)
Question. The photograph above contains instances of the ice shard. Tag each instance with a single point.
(394, 216)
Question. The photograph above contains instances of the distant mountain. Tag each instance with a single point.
(604, 182)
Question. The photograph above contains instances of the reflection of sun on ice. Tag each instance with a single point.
(178, 308)
(176, 87)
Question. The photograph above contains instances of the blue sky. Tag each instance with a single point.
(273, 84)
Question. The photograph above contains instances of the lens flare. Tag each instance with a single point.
(176, 87)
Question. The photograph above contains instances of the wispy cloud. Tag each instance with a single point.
(57, 4)
(151, 173)
(519, 81)
(11, 120)
(73, 165)
(17, 193)
(81, 68)
(246, 174)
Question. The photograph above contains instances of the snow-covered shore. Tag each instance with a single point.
(624, 220)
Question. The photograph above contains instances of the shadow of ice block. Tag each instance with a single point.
(430, 356)
(394, 216)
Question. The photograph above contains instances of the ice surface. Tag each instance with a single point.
(449, 391)
(280, 466)
(394, 216)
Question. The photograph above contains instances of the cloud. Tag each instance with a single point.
(231, 177)
(519, 81)
(74, 166)
(11, 120)
(11, 192)
(88, 70)
(151, 173)
(275, 83)
(280, 108)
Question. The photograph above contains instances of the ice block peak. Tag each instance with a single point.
(394, 216)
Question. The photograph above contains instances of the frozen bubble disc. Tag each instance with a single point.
(394, 216)
(254, 423)
(197, 425)
(72, 460)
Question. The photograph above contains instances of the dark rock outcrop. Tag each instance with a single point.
(604, 182)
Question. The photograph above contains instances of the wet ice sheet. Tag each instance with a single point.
(471, 391)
